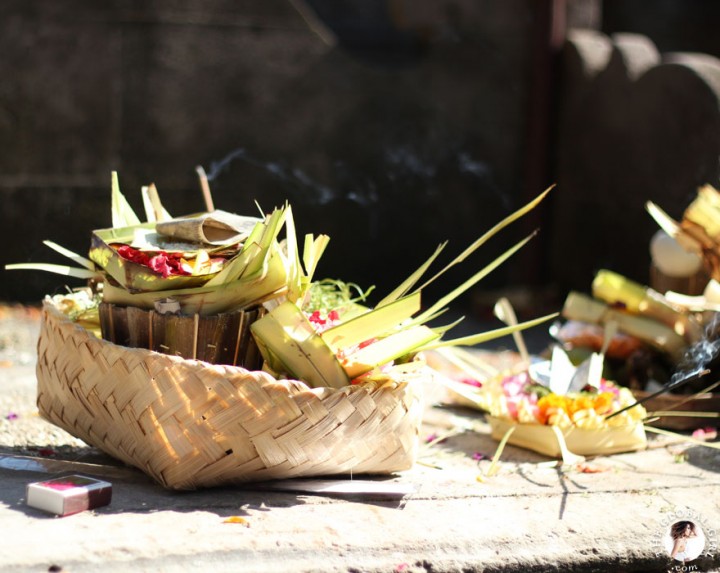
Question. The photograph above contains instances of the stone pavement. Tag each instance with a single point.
(611, 514)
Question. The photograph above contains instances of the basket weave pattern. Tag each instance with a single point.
(189, 424)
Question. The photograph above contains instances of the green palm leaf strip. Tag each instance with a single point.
(489, 234)
(122, 213)
(408, 283)
(64, 270)
(312, 251)
(254, 251)
(295, 272)
(481, 337)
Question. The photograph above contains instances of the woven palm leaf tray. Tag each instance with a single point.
(189, 424)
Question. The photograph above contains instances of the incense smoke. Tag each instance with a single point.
(401, 169)
(701, 355)
(295, 178)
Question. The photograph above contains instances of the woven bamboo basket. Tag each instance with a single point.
(189, 424)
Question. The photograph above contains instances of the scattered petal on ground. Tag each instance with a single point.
(237, 519)
(588, 468)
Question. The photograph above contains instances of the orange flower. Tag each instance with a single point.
(582, 402)
(551, 404)
(604, 402)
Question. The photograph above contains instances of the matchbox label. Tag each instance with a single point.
(70, 482)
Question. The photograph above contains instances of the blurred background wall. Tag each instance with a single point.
(391, 125)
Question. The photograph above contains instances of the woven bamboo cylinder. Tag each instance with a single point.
(189, 424)
(218, 339)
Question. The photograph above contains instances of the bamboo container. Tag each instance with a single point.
(218, 339)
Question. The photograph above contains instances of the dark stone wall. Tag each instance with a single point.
(389, 125)
(672, 25)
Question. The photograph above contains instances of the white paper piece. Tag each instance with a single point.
(589, 373)
(561, 371)
(540, 372)
(561, 376)
(596, 369)
(581, 376)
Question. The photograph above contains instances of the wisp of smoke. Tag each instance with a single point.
(700, 355)
(295, 178)
(217, 166)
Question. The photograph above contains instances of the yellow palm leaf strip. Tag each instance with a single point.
(294, 271)
(122, 213)
(472, 280)
(494, 464)
(491, 233)
(64, 270)
(313, 249)
(715, 445)
(82, 261)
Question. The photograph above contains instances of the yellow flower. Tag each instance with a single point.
(526, 412)
(558, 417)
(587, 419)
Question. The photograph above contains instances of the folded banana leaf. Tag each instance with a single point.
(216, 228)
(137, 277)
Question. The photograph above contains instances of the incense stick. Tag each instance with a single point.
(205, 185)
(671, 386)
(697, 394)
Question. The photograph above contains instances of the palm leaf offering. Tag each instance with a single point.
(322, 332)
(207, 263)
(187, 286)
(619, 349)
(271, 349)
(550, 406)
